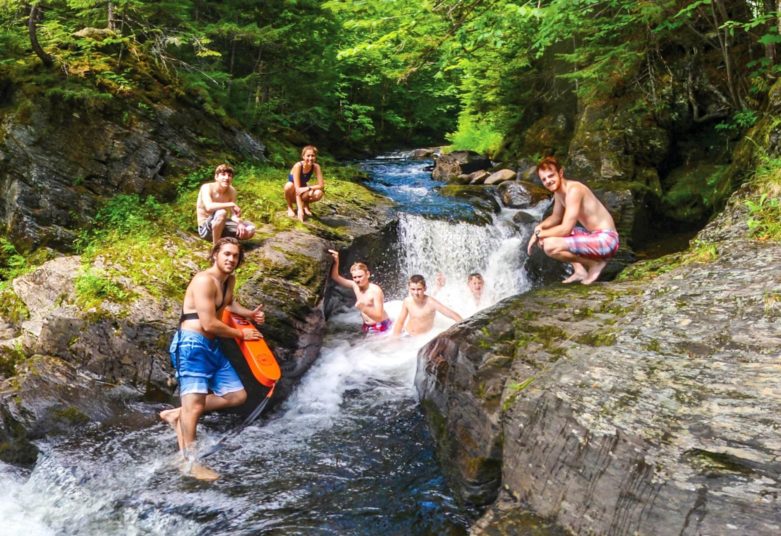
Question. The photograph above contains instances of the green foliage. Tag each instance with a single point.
(10, 358)
(93, 287)
(475, 136)
(740, 121)
(764, 221)
(12, 264)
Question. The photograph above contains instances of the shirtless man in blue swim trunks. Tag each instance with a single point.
(369, 298)
(298, 190)
(573, 202)
(207, 381)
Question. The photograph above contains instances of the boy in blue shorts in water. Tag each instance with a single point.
(207, 381)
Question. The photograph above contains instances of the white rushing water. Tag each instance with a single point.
(457, 249)
(122, 481)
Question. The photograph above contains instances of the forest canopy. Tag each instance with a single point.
(363, 75)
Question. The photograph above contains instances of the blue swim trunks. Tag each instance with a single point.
(202, 366)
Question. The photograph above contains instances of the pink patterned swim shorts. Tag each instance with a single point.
(593, 245)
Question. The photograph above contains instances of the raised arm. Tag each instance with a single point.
(343, 281)
(450, 313)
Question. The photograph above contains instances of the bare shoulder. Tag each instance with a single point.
(203, 281)
(375, 289)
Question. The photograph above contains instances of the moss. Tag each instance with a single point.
(93, 287)
(70, 415)
(10, 358)
(653, 346)
(717, 462)
(700, 252)
(12, 308)
(598, 338)
(514, 389)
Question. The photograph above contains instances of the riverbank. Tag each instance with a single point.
(105, 317)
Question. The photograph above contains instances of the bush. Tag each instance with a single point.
(471, 135)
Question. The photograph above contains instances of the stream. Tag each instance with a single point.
(347, 453)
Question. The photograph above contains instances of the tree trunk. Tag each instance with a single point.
(32, 27)
(112, 25)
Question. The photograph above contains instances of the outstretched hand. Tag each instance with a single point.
(334, 254)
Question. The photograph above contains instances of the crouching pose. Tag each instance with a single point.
(573, 202)
(298, 192)
(217, 211)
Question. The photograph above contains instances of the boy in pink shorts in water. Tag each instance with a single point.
(574, 203)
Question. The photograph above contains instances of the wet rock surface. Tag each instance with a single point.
(639, 407)
(449, 166)
(125, 345)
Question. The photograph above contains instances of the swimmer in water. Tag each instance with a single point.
(419, 309)
(369, 299)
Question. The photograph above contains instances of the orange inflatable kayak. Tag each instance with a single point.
(259, 358)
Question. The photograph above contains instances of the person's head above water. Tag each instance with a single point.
(475, 282)
(360, 274)
(417, 286)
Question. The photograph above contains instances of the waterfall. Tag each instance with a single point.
(457, 249)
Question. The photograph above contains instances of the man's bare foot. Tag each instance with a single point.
(291, 213)
(171, 416)
(307, 211)
(577, 275)
(593, 272)
(196, 470)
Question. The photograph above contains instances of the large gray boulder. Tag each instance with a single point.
(625, 408)
(449, 166)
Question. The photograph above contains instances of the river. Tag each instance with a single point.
(347, 453)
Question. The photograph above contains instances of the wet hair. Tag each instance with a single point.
(549, 162)
(223, 168)
(475, 275)
(359, 266)
(218, 247)
(417, 278)
(308, 148)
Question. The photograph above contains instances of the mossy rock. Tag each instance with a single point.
(691, 194)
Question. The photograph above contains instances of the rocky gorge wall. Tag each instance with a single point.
(58, 161)
(633, 407)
